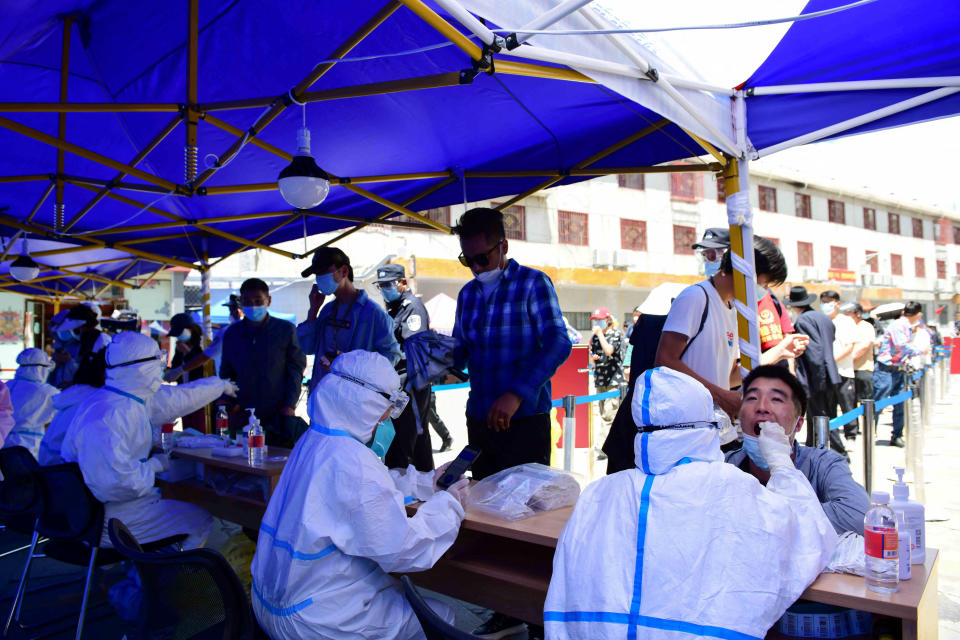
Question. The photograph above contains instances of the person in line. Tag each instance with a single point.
(32, 400)
(188, 334)
(606, 354)
(844, 340)
(90, 376)
(263, 355)
(412, 442)
(510, 334)
(336, 527)
(214, 351)
(864, 337)
(628, 330)
(895, 349)
(709, 354)
(688, 543)
(77, 336)
(773, 394)
(111, 437)
(351, 321)
(816, 366)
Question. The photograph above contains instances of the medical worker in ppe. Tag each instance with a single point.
(685, 545)
(32, 400)
(6, 414)
(110, 438)
(336, 525)
(89, 377)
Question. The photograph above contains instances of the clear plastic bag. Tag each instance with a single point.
(521, 491)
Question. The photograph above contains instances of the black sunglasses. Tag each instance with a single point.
(481, 259)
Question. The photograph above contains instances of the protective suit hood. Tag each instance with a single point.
(71, 396)
(34, 366)
(134, 364)
(340, 403)
(664, 397)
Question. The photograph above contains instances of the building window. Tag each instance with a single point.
(917, 227)
(802, 204)
(683, 239)
(836, 212)
(873, 261)
(633, 234)
(721, 189)
(686, 186)
(515, 222)
(956, 234)
(573, 227)
(630, 180)
(805, 254)
(838, 258)
(942, 269)
(579, 320)
(893, 223)
(896, 265)
(439, 214)
(919, 268)
(958, 269)
(768, 199)
(870, 219)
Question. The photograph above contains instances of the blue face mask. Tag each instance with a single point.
(752, 446)
(66, 336)
(600, 323)
(761, 292)
(390, 294)
(711, 268)
(254, 314)
(326, 284)
(382, 438)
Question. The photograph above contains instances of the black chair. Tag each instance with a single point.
(191, 594)
(434, 627)
(72, 518)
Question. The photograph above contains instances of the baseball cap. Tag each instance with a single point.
(390, 272)
(323, 258)
(714, 238)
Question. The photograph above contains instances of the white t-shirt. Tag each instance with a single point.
(712, 354)
(865, 333)
(845, 334)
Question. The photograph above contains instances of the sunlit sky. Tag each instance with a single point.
(917, 162)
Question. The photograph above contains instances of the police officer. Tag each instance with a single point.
(409, 317)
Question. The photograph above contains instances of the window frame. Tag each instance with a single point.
(571, 217)
(771, 193)
(802, 248)
(805, 211)
(623, 178)
(836, 211)
(687, 248)
(896, 264)
(625, 224)
(872, 226)
(838, 251)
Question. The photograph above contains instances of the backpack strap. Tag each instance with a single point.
(703, 320)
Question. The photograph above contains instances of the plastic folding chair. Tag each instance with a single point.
(191, 594)
(434, 627)
(72, 518)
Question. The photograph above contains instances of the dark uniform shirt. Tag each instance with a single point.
(608, 370)
(409, 317)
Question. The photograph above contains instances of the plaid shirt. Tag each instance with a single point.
(514, 342)
(895, 344)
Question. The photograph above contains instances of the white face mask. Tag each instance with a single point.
(185, 335)
(489, 277)
(828, 307)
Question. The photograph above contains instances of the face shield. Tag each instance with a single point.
(397, 399)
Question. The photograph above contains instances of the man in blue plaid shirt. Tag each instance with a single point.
(510, 334)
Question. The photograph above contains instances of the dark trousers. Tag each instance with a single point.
(408, 446)
(526, 440)
(888, 381)
(864, 384)
(433, 418)
(847, 397)
(824, 403)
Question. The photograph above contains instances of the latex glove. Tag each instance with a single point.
(172, 374)
(160, 462)
(459, 490)
(230, 388)
(774, 445)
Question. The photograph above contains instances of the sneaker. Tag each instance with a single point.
(897, 442)
(499, 626)
(447, 445)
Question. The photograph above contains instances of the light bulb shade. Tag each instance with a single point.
(24, 269)
(303, 184)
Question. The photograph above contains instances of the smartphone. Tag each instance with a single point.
(458, 467)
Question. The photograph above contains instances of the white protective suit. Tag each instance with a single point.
(6, 414)
(336, 524)
(66, 404)
(685, 546)
(32, 400)
(111, 436)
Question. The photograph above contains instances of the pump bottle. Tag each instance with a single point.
(913, 515)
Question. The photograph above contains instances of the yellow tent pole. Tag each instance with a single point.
(62, 121)
(709, 148)
(741, 245)
(152, 275)
(446, 29)
(190, 115)
(92, 262)
(276, 227)
(158, 226)
(399, 208)
(56, 306)
(36, 177)
(89, 107)
(510, 67)
(125, 285)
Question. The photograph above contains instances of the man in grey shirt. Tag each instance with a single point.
(773, 394)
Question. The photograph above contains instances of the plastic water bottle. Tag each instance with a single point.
(257, 448)
(223, 422)
(166, 437)
(880, 545)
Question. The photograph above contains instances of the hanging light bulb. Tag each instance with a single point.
(24, 269)
(303, 184)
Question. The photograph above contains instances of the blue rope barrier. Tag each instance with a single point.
(450, 387)
(836, 423)
(892, 400)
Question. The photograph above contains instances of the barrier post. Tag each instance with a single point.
(821, 431)
(867, 404)
(623, 390)
(569, 430)
(930, 380)
(942, 363)
(908, 426)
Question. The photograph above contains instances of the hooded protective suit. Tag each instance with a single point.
(110, 437)
(6, 413)
(690, 547)
(66, 404)
(336, 525)
(32, 400)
